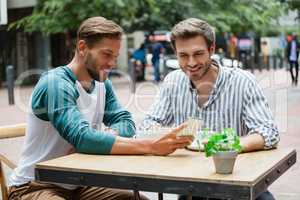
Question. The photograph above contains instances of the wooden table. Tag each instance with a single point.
(183, 172)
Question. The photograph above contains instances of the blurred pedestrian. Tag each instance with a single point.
(222, 44)
(139, 57)
(245, 45)
(233, 46)
(265, 52)
(293, 48)
(157, 51)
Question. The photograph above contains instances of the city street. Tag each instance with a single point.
(283, 98)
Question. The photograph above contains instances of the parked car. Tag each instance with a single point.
(227, 62)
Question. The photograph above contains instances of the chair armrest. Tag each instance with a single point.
(7, 162)
(12, 131)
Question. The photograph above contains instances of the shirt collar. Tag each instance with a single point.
(217, 88)
(74, 79)
(219, 79)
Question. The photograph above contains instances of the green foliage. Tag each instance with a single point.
(56, 16)
(293, 4)
(226, 140)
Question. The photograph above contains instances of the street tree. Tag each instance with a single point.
(56, 16)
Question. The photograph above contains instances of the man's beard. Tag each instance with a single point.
(89, 64)
(93, 74)
(206, 68)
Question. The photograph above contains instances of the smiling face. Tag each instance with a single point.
(101, 57)
(194, 56)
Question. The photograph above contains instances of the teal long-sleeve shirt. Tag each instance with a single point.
(54, 100)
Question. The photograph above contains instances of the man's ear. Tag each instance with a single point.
(174, 48)
(81, 47)
(212, 49)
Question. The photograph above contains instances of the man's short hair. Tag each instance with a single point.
(192, 27)
(94, 29)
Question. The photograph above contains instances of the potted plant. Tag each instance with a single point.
(224, 147)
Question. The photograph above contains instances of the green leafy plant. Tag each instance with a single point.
(226, 140)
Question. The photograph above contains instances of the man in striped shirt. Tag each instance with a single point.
(221, 97)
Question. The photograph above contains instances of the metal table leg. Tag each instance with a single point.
(136, 195)
(160, 196)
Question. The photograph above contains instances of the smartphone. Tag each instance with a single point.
(193, 125)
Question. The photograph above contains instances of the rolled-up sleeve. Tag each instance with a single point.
(258, 117)
(115, 116)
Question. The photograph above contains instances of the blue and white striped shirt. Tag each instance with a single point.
(236, 101)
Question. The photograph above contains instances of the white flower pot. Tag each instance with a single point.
(224, 161)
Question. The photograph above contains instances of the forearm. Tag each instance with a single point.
(70, 124)
(131, 146)
(116, 117)
(252, 142)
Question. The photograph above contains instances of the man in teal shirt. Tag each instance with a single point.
(69, 105)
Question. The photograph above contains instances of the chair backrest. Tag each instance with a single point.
(13, 131)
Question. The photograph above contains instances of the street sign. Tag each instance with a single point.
(3, 12)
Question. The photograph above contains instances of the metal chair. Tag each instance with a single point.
(13, 131)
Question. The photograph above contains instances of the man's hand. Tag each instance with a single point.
(170, 142)
(160, 146)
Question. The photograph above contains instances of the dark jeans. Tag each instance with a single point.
(155, 63)
(264, 196)
(294, 64)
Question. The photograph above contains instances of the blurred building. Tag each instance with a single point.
(22, 50)
(27, 51)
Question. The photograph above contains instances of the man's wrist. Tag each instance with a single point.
(148, 146)
(144, 146)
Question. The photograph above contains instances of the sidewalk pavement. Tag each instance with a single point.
(283, 99)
